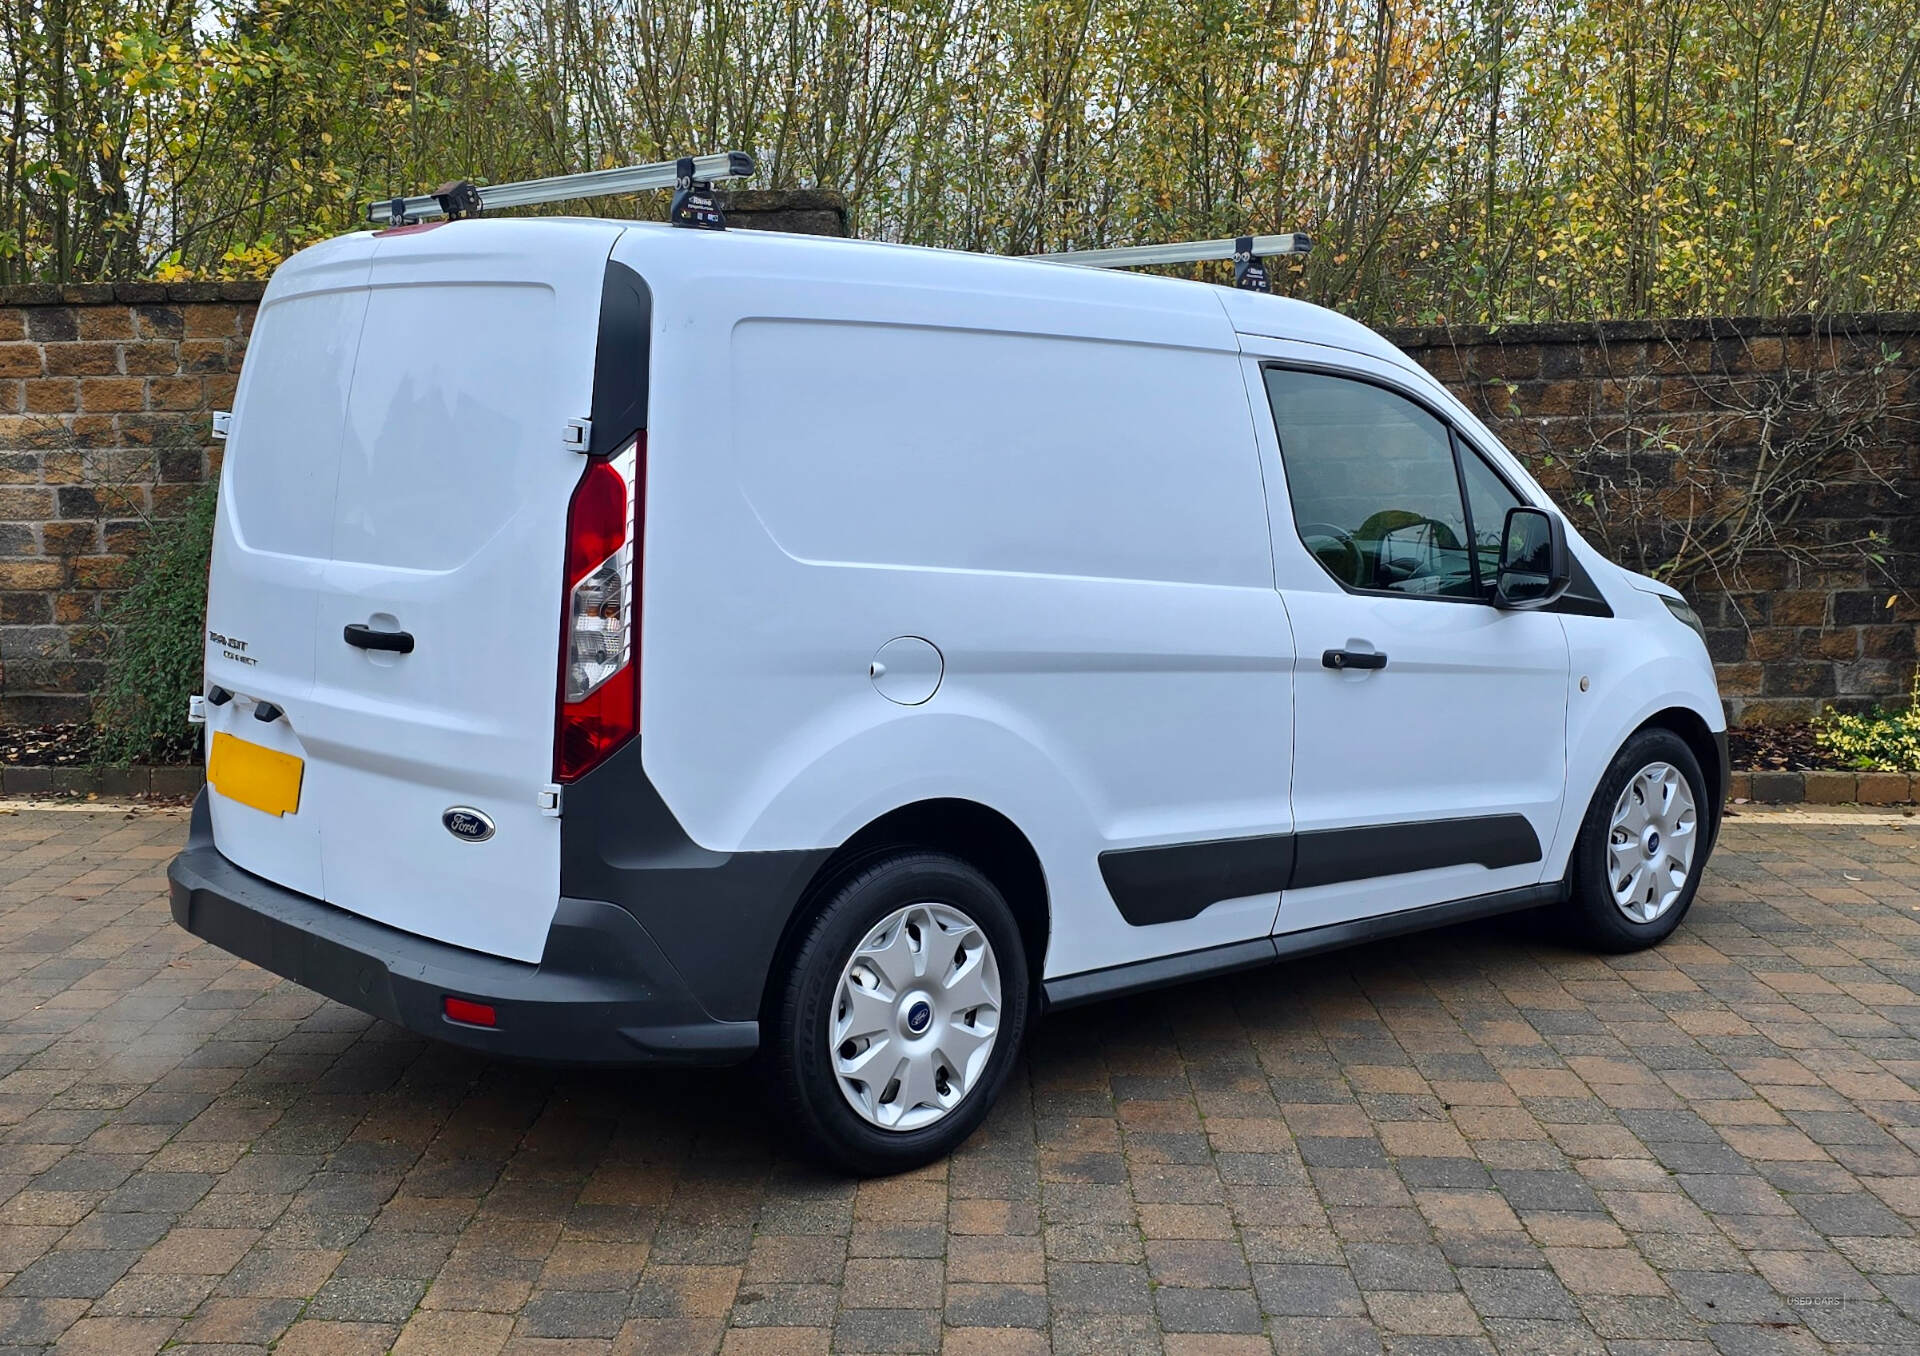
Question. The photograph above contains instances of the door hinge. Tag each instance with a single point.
(576, 435)
(196, 710)
(222, 423)
(549, 801)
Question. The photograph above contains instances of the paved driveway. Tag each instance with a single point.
(1471, 1141)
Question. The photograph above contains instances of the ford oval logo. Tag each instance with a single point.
(467, 824)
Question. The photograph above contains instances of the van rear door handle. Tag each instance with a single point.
(1353, 659)
(363, 637)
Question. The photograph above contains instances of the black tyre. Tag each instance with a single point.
(901, 1013)
(1642, 846)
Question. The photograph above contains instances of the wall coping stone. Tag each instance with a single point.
(166, 781)
(1678, 328)
(129, 293)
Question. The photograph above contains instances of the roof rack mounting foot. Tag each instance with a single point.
(693, 204)
(459, 198)
(1249, 270)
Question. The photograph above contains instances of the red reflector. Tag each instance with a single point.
(473, 1014)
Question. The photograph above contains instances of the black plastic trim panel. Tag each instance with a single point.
(1170, 882)
(620, 358)
(1582, 598)
(1119, 980)
(1166, 884)
(718, 916)
(1333, 856)
(602, 993)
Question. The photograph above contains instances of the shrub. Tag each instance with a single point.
(157, 633)
(1880, 741)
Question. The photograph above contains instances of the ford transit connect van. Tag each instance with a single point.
(634, 645)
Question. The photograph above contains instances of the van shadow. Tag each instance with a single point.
(1258, 1030)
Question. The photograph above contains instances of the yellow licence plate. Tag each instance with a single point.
(266, 779)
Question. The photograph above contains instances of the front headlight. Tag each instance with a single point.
(1686, 615)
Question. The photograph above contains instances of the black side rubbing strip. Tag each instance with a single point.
(1168, 883)
(1176, 881)
(1335, 855)
(620, 359)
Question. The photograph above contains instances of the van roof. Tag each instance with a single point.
(854, 261)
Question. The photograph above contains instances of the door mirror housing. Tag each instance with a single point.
(1535, 565)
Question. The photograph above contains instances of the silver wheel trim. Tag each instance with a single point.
(914, 1017)
(1651, 841)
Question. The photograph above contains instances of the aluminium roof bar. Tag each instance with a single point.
(1180, 252)
(561, 187)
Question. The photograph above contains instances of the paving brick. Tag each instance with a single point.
(887, 1330)
(446, 1334)
(1181, 1309)
(996, 1305)
(314, 1337)
(116, 1337)
(1307, 1291)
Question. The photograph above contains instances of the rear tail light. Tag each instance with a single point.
(599, 699)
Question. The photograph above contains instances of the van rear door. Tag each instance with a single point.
(396, 463)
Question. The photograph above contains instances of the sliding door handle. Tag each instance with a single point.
(1353, 659)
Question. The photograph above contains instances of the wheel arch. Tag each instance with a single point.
(978, 834)
(1700, 739)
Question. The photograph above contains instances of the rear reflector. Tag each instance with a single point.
(473, 1014)
(599, 696)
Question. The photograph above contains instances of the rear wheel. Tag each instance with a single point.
(1643, 845)
(902, 1013)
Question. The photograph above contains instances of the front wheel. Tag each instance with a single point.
(902, 1013)
(1643, 845)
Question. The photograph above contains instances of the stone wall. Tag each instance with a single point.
(1643, 431)
(1778, 460)
(103, 426)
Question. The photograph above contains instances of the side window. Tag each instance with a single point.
(1376, 495)
(1488, 500)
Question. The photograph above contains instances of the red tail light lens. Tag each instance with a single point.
(599, 697)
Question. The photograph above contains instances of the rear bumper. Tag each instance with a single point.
(603, 992)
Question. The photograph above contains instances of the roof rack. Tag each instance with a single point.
(692, 176)
(1246, 251)
(694, 205)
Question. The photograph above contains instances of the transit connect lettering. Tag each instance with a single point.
(230, 648)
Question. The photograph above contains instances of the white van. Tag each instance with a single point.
(630, 644)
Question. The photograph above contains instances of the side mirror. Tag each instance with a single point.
(1535, 566)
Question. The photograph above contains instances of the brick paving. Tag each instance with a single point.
(1477, 1141)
